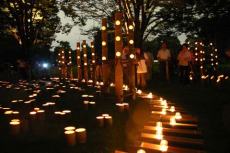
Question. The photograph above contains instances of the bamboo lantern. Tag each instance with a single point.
(70, 70)
(79, 74)
(105, 65)
(85, 60)
(15, 126)
(108, 120)
(163, 146)
(81, 135)
(120, 106)
(100, 121)
(93, 55)
(70, 137)
(104, 39)
(132, 58)
(118, 53)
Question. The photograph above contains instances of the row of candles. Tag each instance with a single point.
(174, 116)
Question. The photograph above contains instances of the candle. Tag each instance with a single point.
(81, 135)
(172, 109)
(108, 120)
(178, 116)
(120, 107)
(100, 121)
(141, 151)
(163, 145)
(172, 121)
(70, 137)
(15, 126)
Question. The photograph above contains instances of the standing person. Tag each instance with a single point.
(141, 69)
(163, 57)
(125, 57)
(149, 62)
(184, 58)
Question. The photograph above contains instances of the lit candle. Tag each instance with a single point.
(172, 109)
(108, 120)
(163, 145)
(178, 116)
(70, 137)
(120, 107)
(81, 135)
(172, 121)
(15, 126)
(141, 151)
(100, 121)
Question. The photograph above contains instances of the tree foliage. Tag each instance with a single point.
(33, 22)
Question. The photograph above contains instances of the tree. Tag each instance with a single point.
(144, 14)
(32, 22)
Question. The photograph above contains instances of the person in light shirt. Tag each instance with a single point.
(184, 58)
(163, 57)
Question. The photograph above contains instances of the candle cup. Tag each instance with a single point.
(108, 120)
(120, 107)
(70, 137)
(15, 127)
(126, 106)
(100, 121)
(81, 135)
(86, 104)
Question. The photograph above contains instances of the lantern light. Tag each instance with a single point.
(103, 58)
(103, 28)
(103, 43)
(118, 38)
(118, 54)
(118, 22)
(131, 42)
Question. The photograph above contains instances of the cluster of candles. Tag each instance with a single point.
(104, 119)
(74, 135)
(174, 116)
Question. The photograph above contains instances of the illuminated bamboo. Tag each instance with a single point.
(132, 75)
(85, 60)
(70, 70)
(93, 61)
(118, 53)
(105, 65)
(79, 75)
(104, 40)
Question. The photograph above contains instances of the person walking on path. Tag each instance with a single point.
(164, 57)
(184, 58)
(141, 69)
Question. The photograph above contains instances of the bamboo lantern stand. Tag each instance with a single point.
(61, 63)
(86, 76)
(105, 65)
(132, 62)
(69, 65)
(118, 53)
(79, 71)
(93, 62)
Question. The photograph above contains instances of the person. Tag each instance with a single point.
(22, 68)
(184, 58)
(141, 69)
(125, 57)
(163, 56)
(149, 62)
